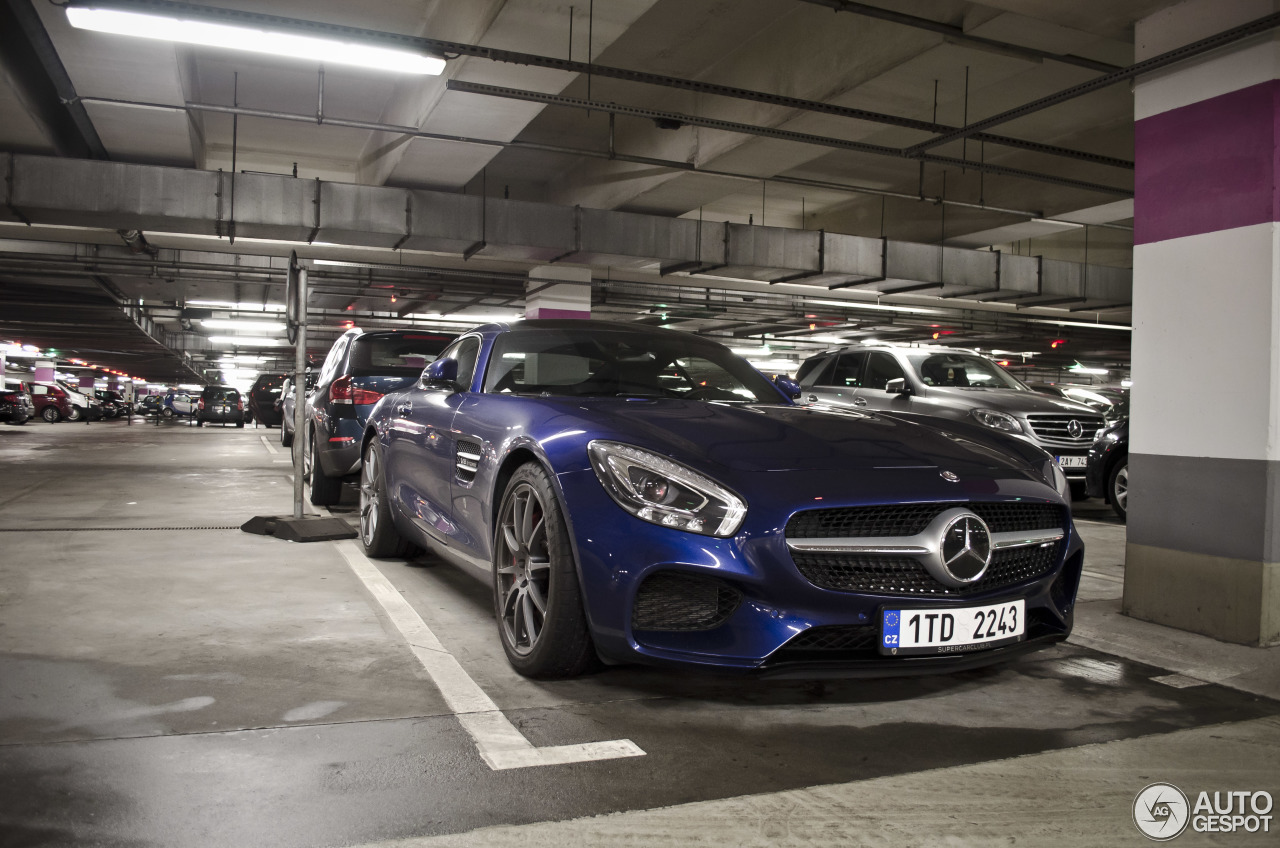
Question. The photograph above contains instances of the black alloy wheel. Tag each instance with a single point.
(535, 583)
(1118, 488)
(378, 533)
(321, 490)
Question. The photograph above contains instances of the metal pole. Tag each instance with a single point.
(300, 393)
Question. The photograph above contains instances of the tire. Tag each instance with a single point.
(50, 414)
(199, 423)
(240, 424)
(378, 533)
(76, 414)
(322, 490)
(536, 595)
(167, 413)
(1118, 488)
(286, 438)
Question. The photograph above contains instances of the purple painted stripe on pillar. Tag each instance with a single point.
(558, 313)
(1209, 166)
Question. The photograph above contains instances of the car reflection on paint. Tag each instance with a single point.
(634, 494)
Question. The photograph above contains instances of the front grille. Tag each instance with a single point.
(910, 519)
(670, 600)
(899, 575)
(468, 459)
(1053, 429)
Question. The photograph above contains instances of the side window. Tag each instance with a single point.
(881, 368)
(39, 390)
(847, 373)
(330, 368)
(809, 367)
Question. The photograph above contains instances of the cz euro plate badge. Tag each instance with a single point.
(951, 631)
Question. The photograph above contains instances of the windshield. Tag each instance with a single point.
(593, 361)
(964, 370)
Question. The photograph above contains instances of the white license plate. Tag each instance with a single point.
(944, 631)
(1072, 461)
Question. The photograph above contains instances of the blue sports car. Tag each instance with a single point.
(635, 494)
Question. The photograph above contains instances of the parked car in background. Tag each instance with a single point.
(16, 406)
(82, 405)
(361, 367)
(645, 495)
(220, 405)
(285, 406)
(51, 402)
(113, 404)
(262, 399)
(148, 404)
(1105, 400)
(179, 405)
(960, 385)
(1108, 472)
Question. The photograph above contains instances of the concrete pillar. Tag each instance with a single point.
(1204, 507)
(558, 291)
(44, 372)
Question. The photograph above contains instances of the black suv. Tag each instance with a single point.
(262, 399)
(360, 368)
(220, 405)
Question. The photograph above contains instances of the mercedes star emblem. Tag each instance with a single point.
(966, 548)
(1074, 429)
(950, 477)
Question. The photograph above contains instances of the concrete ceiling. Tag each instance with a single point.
(981, 65)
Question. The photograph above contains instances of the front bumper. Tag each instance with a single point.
(769, 631)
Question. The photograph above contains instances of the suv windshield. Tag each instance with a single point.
(964, 370)
(620, 363)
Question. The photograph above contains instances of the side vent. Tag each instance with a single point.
(468, 459)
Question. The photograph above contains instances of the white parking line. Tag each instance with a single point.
(266, 443)
(500, 744)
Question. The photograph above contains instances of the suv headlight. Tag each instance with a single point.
(663, 492)
(997, 420)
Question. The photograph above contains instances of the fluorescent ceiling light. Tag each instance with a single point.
(764, 350)
(239, 307)
(853, 304)
(248, 341)
(1081, 369)
(1069, 224)
(1092, 326)
(193, 30)
(256, 326)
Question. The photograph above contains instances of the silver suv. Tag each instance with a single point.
(951, 383)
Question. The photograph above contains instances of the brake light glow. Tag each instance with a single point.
(341, 391)
(200, 404)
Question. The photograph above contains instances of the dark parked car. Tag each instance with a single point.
(645, 495)
(113, 404)
(360, 368)
(285, 406)
(148, 404)
(1109, 467)
(262, 400)
(220, 405)
(51, 402)
(16, 406)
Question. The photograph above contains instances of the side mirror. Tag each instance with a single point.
(440, 373)
(789, 387)
(897, 386)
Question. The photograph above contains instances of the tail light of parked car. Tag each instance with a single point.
(341, 391)
(240, 404)
(200, 404)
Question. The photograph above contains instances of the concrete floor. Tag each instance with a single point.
(161, 685)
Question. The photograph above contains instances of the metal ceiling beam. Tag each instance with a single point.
(42, 83)
(1155, 63)
(958, 35)
(773, 132)
(453, 49)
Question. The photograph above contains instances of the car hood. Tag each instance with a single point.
(767, 437)
(1011, 401)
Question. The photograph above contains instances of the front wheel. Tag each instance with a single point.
(286, 438)
(535, 584)
(76, 414)
(322, 490)
(1118, 489)
(378, 533)
(164, 413)
(50, 414)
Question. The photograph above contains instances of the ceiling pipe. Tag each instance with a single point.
(1155, 63)
(453, 49)
(598, 154)
(958, 35)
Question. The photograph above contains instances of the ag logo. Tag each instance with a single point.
(1161, 811)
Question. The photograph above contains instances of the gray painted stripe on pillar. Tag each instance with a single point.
(1206, 505)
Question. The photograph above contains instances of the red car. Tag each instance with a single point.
(52, 403)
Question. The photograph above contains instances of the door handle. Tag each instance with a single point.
(404, 408)
(859, 401)
(813, 398)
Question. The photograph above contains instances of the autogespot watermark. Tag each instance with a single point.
(1162, 811)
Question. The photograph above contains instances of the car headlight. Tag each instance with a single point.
(997, 420)
(654, 488)
(1054, 476)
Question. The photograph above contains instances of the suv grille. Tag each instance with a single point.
(669, 600)
(1054, 429)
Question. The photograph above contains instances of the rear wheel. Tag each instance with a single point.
(167, 412)
(377, 531)
(535, 584)
(322, 490)
(50, 414)
(1118, 489)
(286, 438)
